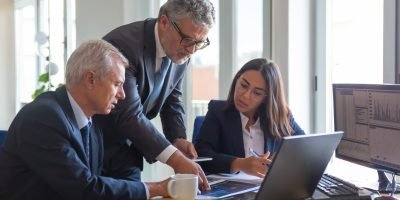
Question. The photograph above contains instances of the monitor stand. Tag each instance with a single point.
(385, 186)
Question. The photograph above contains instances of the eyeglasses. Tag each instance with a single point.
(187, 41)
(256, 93)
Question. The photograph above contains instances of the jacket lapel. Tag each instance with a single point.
(62, 98)
(235, 129)
(149, 54)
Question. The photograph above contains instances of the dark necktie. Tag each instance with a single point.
(85, 131)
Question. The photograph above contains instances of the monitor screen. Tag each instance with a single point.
(369, 115)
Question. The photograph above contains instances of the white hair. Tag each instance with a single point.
(96, 55)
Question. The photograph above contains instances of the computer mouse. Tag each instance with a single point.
(385, 198)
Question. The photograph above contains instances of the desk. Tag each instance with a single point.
(356, 174)
(359, 175)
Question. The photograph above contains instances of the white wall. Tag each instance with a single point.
(389, 35)
(321, 96)
(301, 54)
(7, 64)
(280, 38)
(293, 49)
(95, 18)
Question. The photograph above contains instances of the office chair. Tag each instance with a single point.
(3, 134)
(198, 121)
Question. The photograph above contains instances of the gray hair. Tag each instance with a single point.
(202, 12)
(96, 55)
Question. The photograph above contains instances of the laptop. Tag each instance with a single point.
(298, 166)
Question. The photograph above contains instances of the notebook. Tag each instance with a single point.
(298, 166)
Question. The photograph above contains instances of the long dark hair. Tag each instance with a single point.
(274, 112)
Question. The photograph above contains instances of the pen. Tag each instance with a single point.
(252, 151)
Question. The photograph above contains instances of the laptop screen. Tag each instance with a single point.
(298, 166)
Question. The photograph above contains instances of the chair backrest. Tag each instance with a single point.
(3, 134)
(198, 121)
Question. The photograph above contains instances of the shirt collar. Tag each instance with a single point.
(80, 116)
(159, 50)
(245, 119)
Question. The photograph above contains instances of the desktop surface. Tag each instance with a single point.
(356, 174)
(361, 176)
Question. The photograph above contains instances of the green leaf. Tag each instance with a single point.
(38, 91)
(44, 78)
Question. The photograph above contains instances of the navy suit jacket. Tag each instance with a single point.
(43, 157)
(221, 137)
(131, 118)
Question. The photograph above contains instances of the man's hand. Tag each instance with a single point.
(158, 188)
(186, 147)
(182, 165)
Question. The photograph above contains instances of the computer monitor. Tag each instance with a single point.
(369, 115)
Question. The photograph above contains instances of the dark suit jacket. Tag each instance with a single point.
(221, 137)
(43, 157)
(131, 118)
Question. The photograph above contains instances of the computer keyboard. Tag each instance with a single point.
(335, 187)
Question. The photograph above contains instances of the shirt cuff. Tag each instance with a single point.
(147, 191)
(164, 155)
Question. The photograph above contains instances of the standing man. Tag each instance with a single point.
(158, 51)
(54, 151)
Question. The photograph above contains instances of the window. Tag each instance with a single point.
(356, 41)
(26, 51)
(349, 49)
(57, 47)
(42, 29)
(249, 31)
(204, 64)
(354, 44)
(354, 51)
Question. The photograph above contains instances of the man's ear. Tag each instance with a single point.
(89, 78)
(164, 22)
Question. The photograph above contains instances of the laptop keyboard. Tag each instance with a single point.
(334, 187)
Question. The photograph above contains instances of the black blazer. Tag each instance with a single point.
(131, 118)
(221, 137)
(43, 157)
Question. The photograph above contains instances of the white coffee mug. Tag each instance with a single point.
(183, 186)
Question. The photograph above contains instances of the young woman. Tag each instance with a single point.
(242, 133)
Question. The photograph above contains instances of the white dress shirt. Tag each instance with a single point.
(160, 53)
(252, 138)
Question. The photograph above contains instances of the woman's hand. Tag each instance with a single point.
(256, 166)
